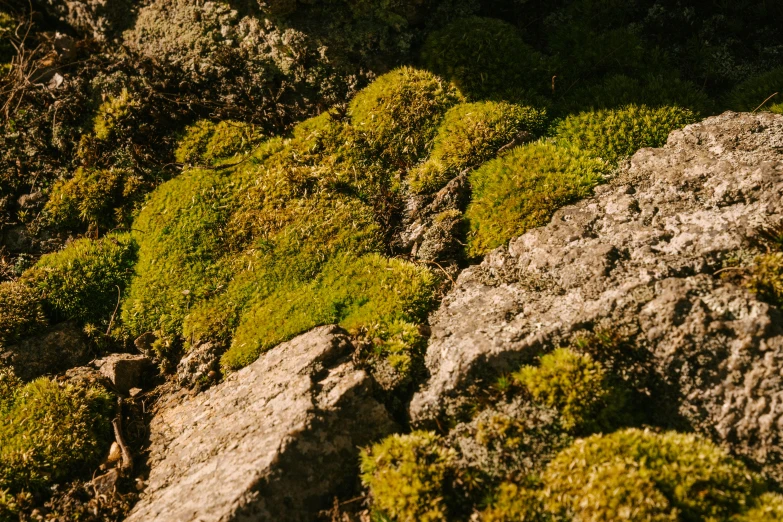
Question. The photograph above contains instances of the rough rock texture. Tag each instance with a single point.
(199, 366)
(57, 349)
(641, 258)
(274, 441)
(123, 370)
(99, 19)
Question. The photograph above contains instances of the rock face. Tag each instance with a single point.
(274, 441)
(642, 257)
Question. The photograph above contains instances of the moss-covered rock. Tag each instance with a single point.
(407, 474)
(522, 189)
(766, 278)
(514, 503)
(397, 116)
(618, 133)
(84, 281)
(470, 134)
(205, 141)
(485, 58)
(21, 312)
(641, 475)
(576, 386)
(50, 432)
(750, 94)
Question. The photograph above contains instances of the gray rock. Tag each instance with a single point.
(123, 370)
(57, 349)
(199, 366)
(276, 440)
(641, 257)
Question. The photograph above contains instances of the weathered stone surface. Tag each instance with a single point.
(274, 441)
(123, 370)
(57, 349)
(199, 366)
(99, 19)
(642, 257)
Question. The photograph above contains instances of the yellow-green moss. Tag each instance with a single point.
(576, 386)
(21, 312)
(406, 475)
(523, 188)
(641, 475)
(206, 142)
(750, 94)
(83, 282)
(514, 503)
(396, 116)
(617, 133)
(767, 508)
(51, 431)
(470, 134)
(485, 58)
(766, 278)
(111, 112)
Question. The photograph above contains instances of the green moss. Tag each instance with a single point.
(766, 278)
(618, 133)
(396, 116)
(576, 386)
(513, 503)
(406, 475)
(470, 134)
(750, 94)
(522, 189)
(767, 508)
(21, 313)
(50, 432)
(206, 142)
(485, 58)
(83, 282)
(111, 112)
(640, 475)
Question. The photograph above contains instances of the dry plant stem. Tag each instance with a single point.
(126, 462)
(765, 101)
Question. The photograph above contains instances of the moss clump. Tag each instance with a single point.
(206, 142)
(83, 282)
(50, 431)
(485, 58)
(396, 117)
(111, 112)
(767, 508)
(472, 133)
(618, 133)
(751, 93)
(21, 312)
(766, 278)
(407, 474)
(576, 386)
(640, 475)
(522, 189)
(514, 503)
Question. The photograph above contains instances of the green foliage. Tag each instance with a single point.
(83, 281)
(767, 508)
(618, 133)
(766, 278)
(51, 431)
(522, 189)
(206, 142)
(470, 134)
(407, 474)
(21, 312)
(397, 116)
(513, 503)
(750, 94)
(576, 386)
(640, 475)
(111, 112)
(7, 26)
(485, 58)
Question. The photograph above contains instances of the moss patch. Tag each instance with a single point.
(206, 142)
(21, 312)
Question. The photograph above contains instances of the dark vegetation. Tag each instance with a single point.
(241, 173)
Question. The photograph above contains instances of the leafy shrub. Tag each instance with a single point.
(513, 503)
(576, 386)
(751, 93)
(522, 189)
(205, 141)
(617, 133)
(83, 281)
(21, 312)
(485, 58)
(397, 115)
(766, 278)
(470, 134)
(767, 508)
(407, 476)
(51, 431)
(640, 475)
